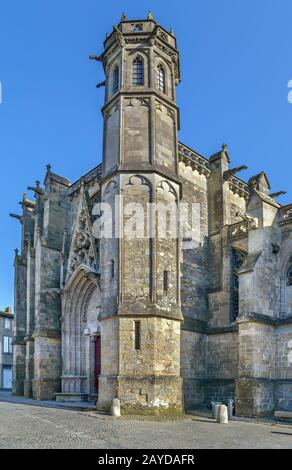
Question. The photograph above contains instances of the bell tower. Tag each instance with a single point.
(141, 117)
(140, 275)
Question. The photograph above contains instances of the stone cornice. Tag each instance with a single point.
(240, 229)
(46, 333)
(194, 160)
(145, 93)
(239, 187)
(264, 319)
(92, 176)
(143, 169)
(200, 326)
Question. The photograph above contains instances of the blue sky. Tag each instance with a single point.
(235, 63)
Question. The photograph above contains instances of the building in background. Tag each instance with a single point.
(158, 323)
(6, 335)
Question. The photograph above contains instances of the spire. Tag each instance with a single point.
(150, 15)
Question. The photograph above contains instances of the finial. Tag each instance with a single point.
(37, 183)
(123, 18)
(24, 196)
(150, 15)
(107, 35)
(171, 31)
(224, 146)
(16, 251)
(49, 168)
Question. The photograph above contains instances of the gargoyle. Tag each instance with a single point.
(245, 217)
(99, 85)
(279, 193)
(227, 174)
(98, 58)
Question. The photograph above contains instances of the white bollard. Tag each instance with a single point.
(222, 417)
(116, 408)
(230, 406)
(215, 408)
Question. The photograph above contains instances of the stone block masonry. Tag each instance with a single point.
(161, 323)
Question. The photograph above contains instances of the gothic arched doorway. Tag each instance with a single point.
(80, 333)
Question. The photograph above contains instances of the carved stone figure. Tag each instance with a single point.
(160, 324)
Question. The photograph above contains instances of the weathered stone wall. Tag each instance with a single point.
(136, 269)
(193, 369)
(56, 210)
(254, 388)
(20, 306)
(222, 356)
(109, 252)
(47, 367)
(112, 137)
(149, 378)
(165, 136)
(136, 128)
(283, 367)
(108, 387)
(221, 366)
(194, 260)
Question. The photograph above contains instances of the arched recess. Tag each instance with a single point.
(135, 246)
(80, 327)
(114, 79)
(286, 283)
(139, 61)
(163, 70)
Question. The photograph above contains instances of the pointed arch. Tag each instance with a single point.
(161, 78)
(116, 79)
(138, 71)
(83, 248)
(81, 294)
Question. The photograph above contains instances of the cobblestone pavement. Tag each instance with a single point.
(25, 426)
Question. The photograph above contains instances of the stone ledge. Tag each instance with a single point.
(18, 341)
(283, 415)
(71, 397)
(199, 326)
(46, 333)
(265, 319)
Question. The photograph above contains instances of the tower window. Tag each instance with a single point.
(165, 280)
(116, 79)
(137, 335)
(138, 28)
(138, 71)
(160, 78)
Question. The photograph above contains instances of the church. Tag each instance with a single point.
(159, 323)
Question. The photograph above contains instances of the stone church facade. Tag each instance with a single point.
(162, 325)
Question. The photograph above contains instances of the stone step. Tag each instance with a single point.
(287, 415)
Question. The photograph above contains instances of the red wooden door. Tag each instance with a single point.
(97, 360)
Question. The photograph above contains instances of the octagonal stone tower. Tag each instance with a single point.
(140, 277)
